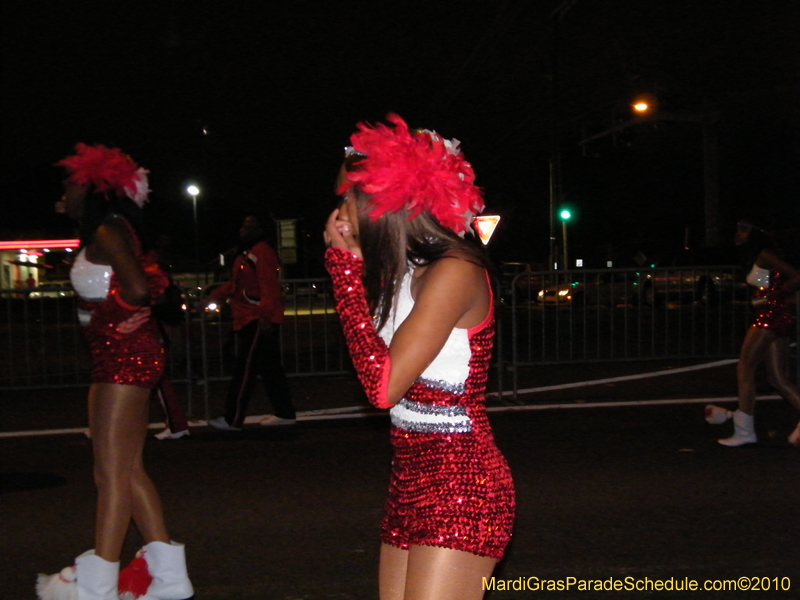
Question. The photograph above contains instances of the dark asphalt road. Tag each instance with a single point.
(609, 492)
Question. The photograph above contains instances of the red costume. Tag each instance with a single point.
(450, 485)
(136, 358)
(770, 301)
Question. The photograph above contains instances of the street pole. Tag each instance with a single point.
(194, 191)
(708, 121)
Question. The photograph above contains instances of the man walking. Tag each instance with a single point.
(254, 295)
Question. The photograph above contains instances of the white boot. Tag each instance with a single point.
(92, 578)
(743, 430)
(167, 565)
(716, 414)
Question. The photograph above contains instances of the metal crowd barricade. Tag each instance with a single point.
(608, 315)
(544, 318)
(311, 336)
(42, 347)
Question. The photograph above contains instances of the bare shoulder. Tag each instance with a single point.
(454, 270)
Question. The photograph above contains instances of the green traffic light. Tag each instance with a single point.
(565, 215)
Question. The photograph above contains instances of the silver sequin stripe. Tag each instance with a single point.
(445, 386)
(425, 418)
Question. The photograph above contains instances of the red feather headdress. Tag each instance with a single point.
(107, 169)
(417, 171)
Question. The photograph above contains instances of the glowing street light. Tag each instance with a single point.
(565, 216)
(194, 192)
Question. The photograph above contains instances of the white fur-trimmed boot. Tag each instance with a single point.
(743, 430)
(167, 566)
(715, 415)
(91, 578)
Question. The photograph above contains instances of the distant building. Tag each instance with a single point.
(42, 261)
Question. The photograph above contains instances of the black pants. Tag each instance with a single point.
(255, 354)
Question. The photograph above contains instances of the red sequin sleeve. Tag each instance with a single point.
(367, 349)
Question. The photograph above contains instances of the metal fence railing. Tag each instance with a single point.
(41, 344)
(611, 315)
(543, 318)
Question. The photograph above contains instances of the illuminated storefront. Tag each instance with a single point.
(31, 263)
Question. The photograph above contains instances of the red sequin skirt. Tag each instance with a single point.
(775, 316)
(134, 359)
(449, 490)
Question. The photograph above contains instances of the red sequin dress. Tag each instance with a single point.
(450, 486)
(770, 301)
(135, 358)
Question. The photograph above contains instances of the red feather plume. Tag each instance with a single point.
(414, 170)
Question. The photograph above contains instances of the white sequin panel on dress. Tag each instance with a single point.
(89, 280)
(451, 365)
(758, 277)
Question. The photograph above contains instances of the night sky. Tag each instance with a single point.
(254, 101)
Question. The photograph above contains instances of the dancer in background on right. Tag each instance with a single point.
(774, 282)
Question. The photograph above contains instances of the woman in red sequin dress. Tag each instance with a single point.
(116, 280)
(774, 282)
(398, 251)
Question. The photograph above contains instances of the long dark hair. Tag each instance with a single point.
(98, 208)
(394, 241)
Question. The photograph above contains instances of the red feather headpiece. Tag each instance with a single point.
(417, 171)
(107, 169)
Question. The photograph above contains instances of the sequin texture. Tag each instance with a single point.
(448, 488)
(452, 490)
(369, 352)
(430, 418)
(772, 307)
(136, 358)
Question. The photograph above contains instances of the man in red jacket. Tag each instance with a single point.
(254, 295)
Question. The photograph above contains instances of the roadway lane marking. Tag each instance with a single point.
(576, 384)
(360, 412)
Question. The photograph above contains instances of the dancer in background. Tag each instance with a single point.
(117, 279)
(774, 281)
(398, 251)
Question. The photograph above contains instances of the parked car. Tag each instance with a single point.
(195, 295)
(616, 287)
(700, 275)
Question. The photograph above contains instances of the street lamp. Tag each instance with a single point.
(565, 216)
(194, 191)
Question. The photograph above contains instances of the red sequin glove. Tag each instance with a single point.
(367, 349)
(108, 314)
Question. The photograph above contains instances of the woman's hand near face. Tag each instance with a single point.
(340, 232)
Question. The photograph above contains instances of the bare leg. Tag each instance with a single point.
(776, 371)
(433, 574)
(754, 350)
(392, 572)
(118, 422)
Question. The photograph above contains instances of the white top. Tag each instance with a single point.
(451, 365)
(758, 277)
(90, 281)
